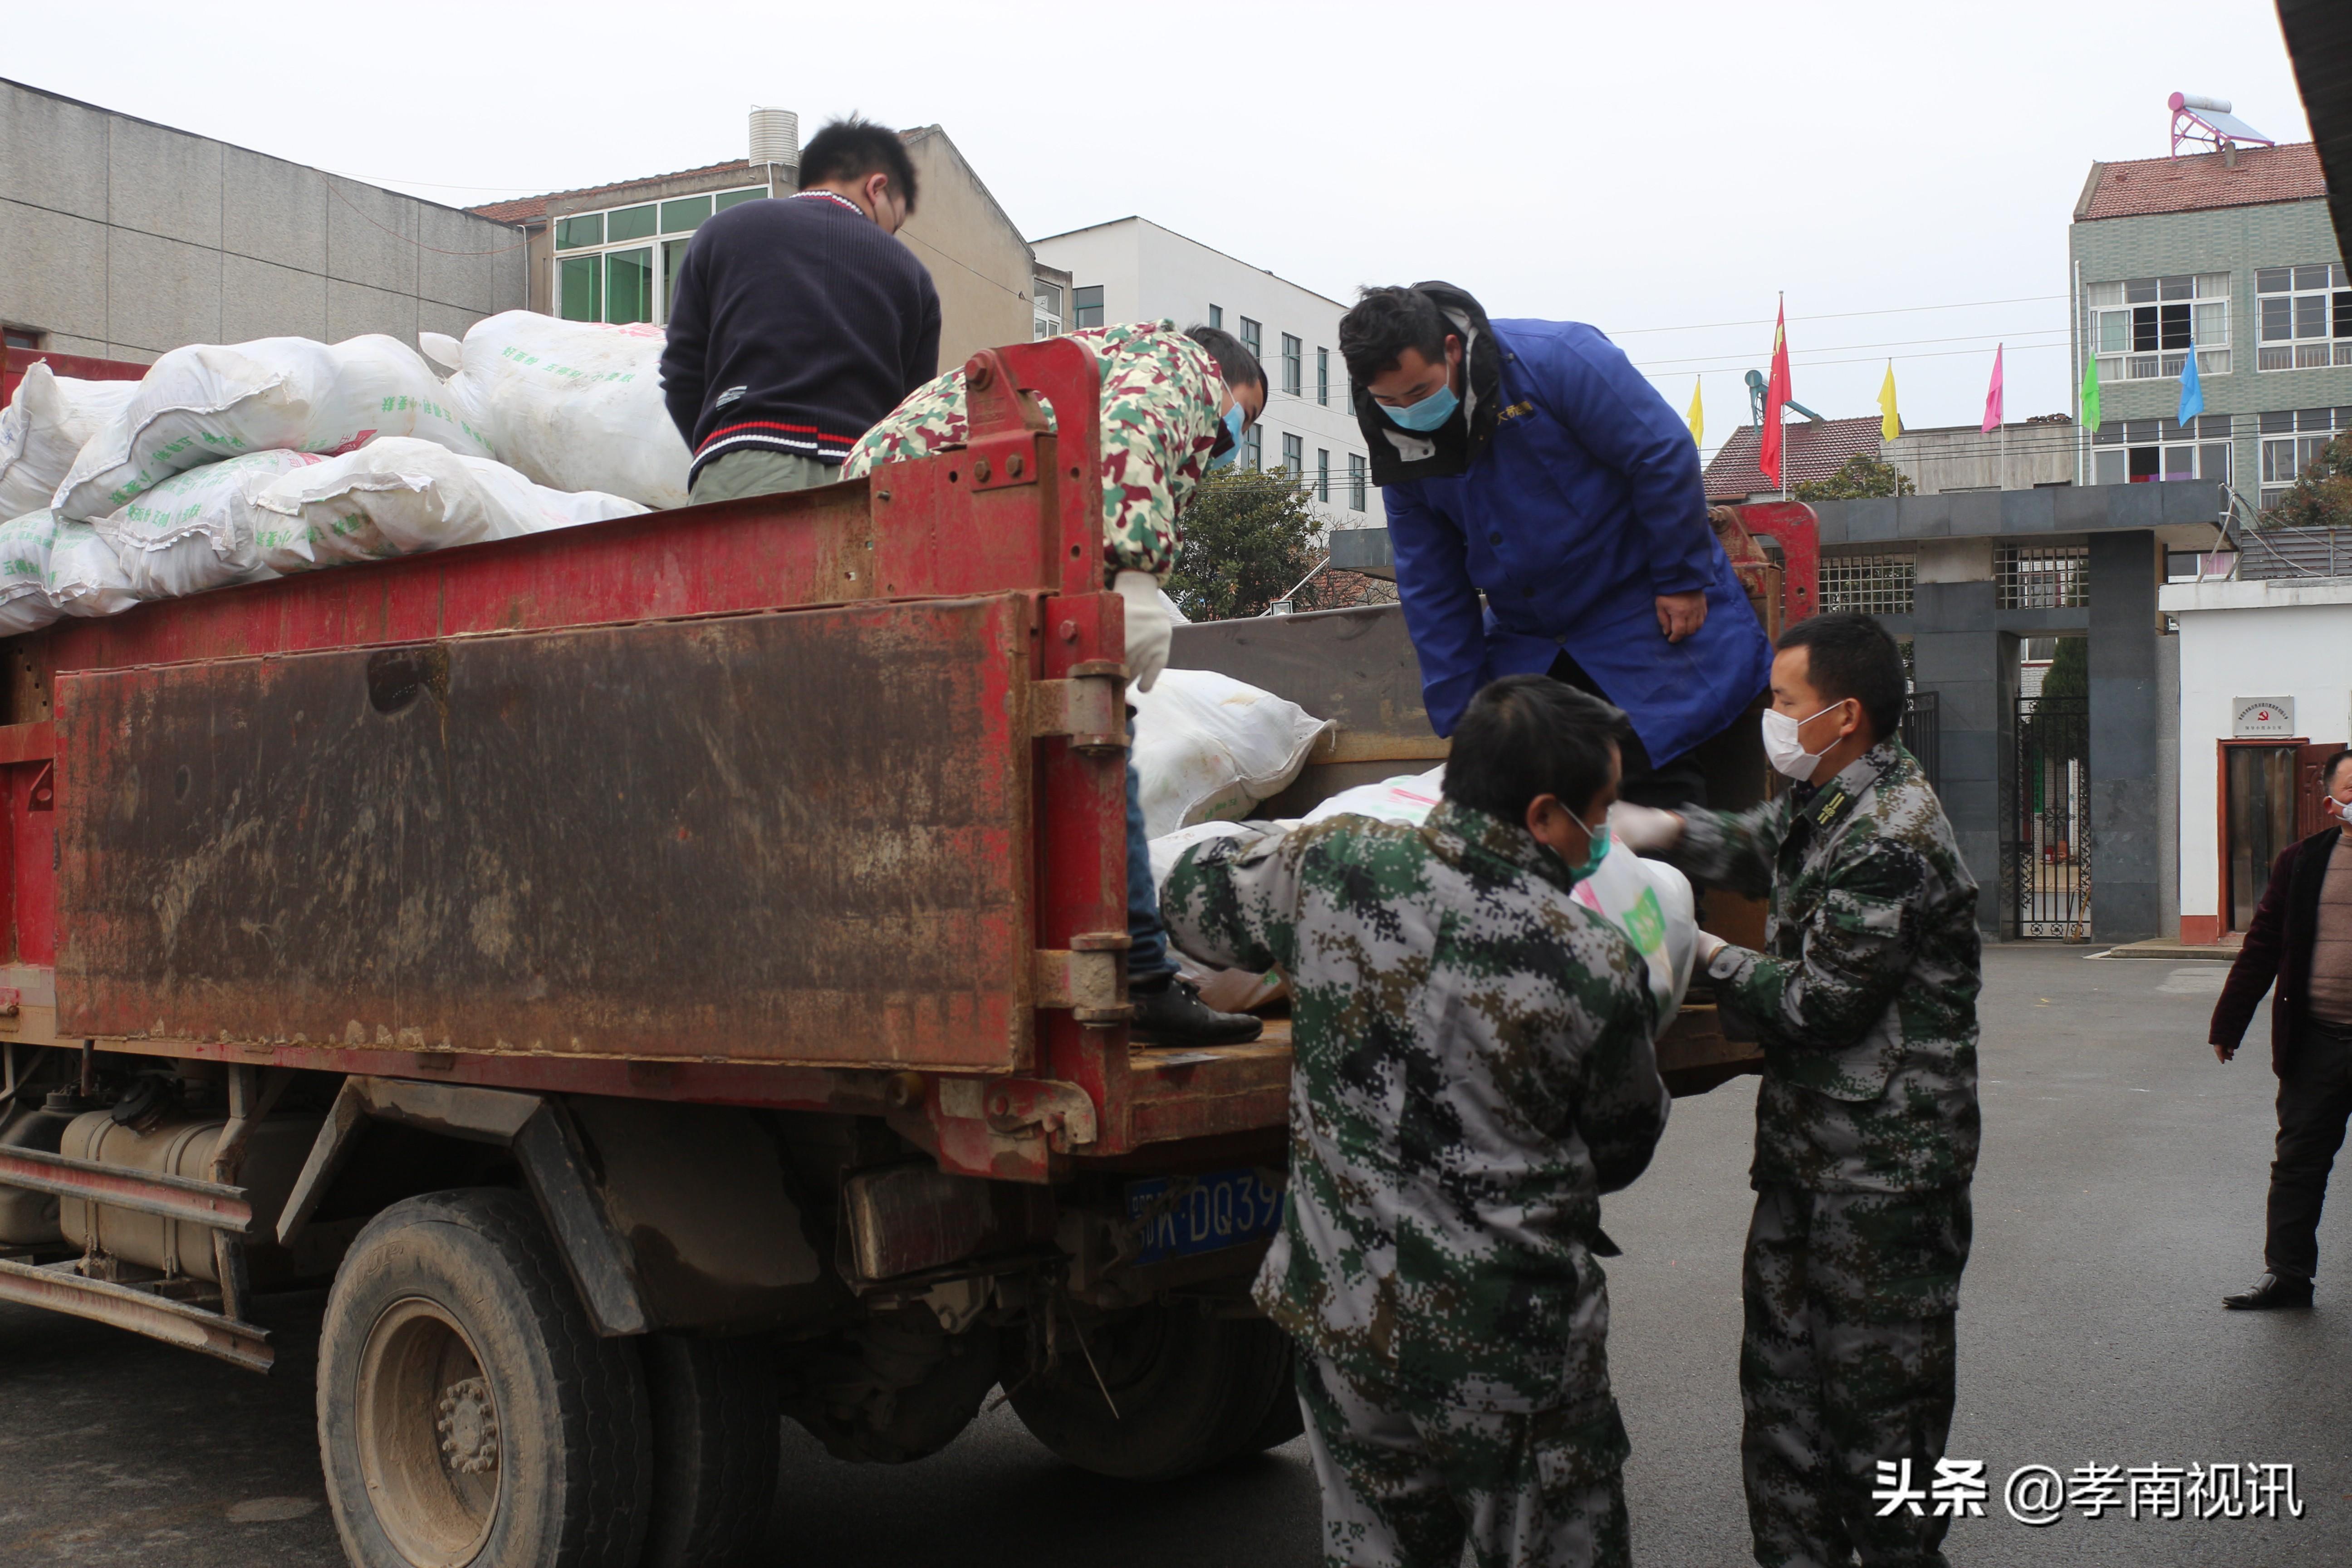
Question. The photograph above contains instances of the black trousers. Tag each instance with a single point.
(2314, 1099)
(1679, 784)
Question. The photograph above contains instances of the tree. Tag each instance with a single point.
(1248, 539)
(1862, 477)
(2322, 496)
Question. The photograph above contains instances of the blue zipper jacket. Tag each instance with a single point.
(1584, 506)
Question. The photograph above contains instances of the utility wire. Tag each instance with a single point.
(1841, 315)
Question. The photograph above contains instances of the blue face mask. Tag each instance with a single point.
(1233, 422)
(1428, 414)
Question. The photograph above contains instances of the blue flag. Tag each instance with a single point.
(2192, 391)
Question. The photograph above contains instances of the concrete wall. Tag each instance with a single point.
(1148, 272)
(2277, 638)
(2232, 239)
(976, 256)
(1963, 458)
(122, 239)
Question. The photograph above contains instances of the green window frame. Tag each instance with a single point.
(580, 288)
(579, 231)
(629, 286)
(730, 198)
(685, 215)
(631, 223)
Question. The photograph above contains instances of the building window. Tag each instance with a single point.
(2139, 451)
(1356, 498)
(19, 338)
(2042, 577)
(1252, 452)
(2142, 328)
(1323, 377)
(1217, 317)
(1875, 583)
(1087, 304)
(1294, 455)
(1294, 364)
(2306, 316)
(2293, 439)
(621, 266)
(1253, 337)
(1047, 307)
(1323, 475)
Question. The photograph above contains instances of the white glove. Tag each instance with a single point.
(1709, 944)
(1642, 828)
(1148, 627)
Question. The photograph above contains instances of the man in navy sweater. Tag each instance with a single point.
(795, 325)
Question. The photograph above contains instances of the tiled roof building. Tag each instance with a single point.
(1811, 451)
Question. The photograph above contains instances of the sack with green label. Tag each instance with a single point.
(574, 406)
(1650, 902)
(209, 402)
(197, 530)
(44, 427)
(402, 496)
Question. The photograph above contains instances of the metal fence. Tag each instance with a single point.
(2049, 845)
(2268, 553)
(1923, 734)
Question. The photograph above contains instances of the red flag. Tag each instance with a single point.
(1776, 396)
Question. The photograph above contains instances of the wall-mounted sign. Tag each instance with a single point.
(2261, 717)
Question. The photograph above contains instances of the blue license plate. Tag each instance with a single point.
(1185, 1215)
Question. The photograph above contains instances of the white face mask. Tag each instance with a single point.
(1785, 752)
(2339, 809)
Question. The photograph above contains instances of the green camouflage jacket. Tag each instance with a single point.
(1472, 1070)
(1865, 995)
(1159, 396)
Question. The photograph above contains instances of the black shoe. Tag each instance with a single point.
(1173, 1014)
(2271, 1292)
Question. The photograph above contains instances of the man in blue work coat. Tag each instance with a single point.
(1530, 462)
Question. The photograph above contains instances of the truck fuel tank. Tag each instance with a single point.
(180, 1146)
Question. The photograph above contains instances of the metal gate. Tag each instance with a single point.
(2051, 868)
(1923, 734)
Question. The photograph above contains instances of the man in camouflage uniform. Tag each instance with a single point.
(1866, 1123)
(1472, 1069)
(1174, 406)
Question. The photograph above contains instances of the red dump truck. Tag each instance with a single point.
(661, 974)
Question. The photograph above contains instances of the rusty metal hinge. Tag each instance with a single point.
(1087, 707)
(1089, 977)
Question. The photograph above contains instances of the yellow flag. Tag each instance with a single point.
(1696, 417)
(1890, 424)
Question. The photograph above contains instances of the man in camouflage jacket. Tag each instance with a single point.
(1173, 404)
(1472, 1069)
(1866, 1123)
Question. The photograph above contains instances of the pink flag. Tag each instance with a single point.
(1992, 396)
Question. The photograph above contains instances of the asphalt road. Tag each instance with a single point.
(2120, 1195)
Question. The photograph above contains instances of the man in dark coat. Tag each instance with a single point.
(2302, 937)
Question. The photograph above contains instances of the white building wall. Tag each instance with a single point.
(2249, 640)
(1147, 272)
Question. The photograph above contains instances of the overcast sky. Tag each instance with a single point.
(1903, 173)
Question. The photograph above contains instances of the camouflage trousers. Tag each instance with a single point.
(1847, 1359)
(1406, 1481)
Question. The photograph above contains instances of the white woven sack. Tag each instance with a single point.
(196, 531)
(24, 544)
(1208, 746)
(575, 405)
(400, 497)
(42, 429)
(84, 578)
(208, 402)
(1408, 799)
(1650, 902)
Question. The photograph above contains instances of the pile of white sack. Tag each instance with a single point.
(1648, 900)
(233, 463)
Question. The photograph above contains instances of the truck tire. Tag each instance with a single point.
(1283, 1419)
(468, 1412)
(1193, 1390)
(718, 1443)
